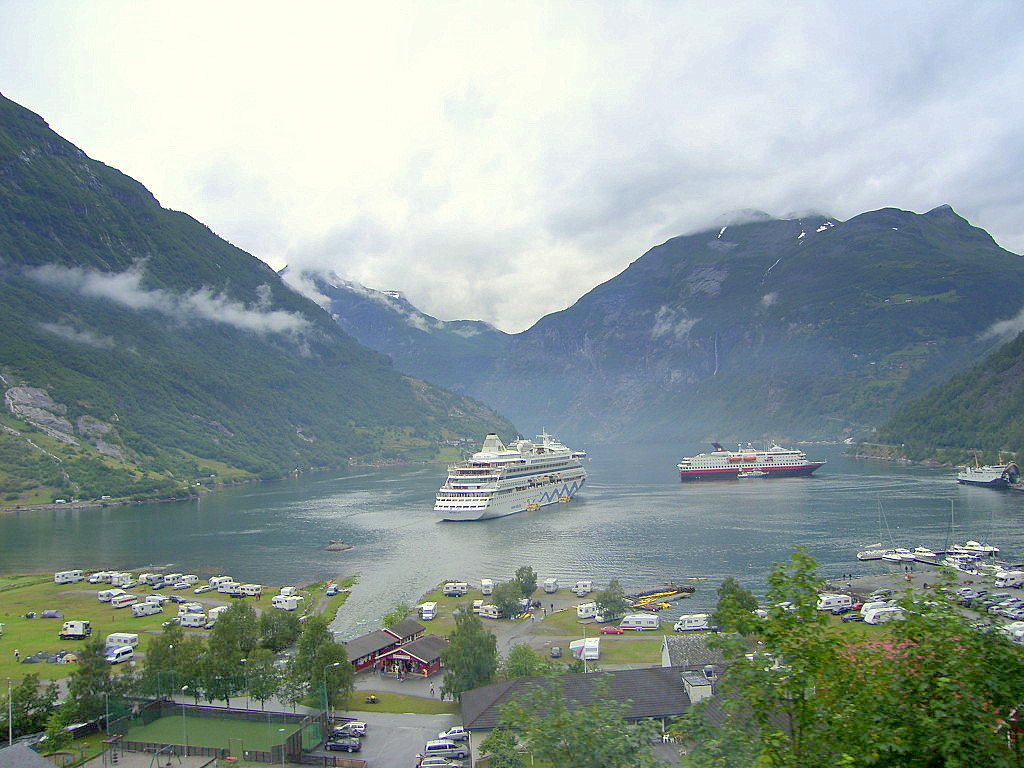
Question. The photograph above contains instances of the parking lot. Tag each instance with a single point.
(394, 740)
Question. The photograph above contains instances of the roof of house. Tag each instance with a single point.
(20, 756)
(427, 649)
(651, 692)
(372, 642)
(690, 650)
(405, 629)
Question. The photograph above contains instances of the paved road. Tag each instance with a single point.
(394, 740)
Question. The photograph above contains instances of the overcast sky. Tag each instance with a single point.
(496, 160)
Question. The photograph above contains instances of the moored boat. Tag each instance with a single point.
(990, 475)
(721, 464)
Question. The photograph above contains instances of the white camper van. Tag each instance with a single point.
(550, 586)
(192, 619)
(67, 577)
(288, 592)
(583, 588)
(640, 621)
(146, 609)
(693, 621)
(586, 610)
(486, 586)
(455, 589)
(106, 595)
(123, 579)
(172, 578)
(216, 581)
(285, 602)
(588, 649)
(252, 590)
(828, 601)
(117, 655)
(428, 611)
(117, 639)
(489, 612)
(1009, 578)
(75, 630)
(150, 578)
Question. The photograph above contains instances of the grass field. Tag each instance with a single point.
(401, 704)
(214, 732)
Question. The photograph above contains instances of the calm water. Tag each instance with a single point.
(634, 521)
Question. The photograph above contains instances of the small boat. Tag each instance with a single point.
(974, 548)
(750, 473)
(873, 552)
(898, 555)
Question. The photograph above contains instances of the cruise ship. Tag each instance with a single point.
(721, 464)
(499, 480)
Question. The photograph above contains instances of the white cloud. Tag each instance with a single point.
(496, 161)
(79, 335)
(1005, 329)
(125, 288)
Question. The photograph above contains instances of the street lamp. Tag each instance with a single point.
(184, 727)
(10, 715)
(245, 682)
(323, 681)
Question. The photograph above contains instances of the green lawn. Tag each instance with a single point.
(214, 732)
(401, 703)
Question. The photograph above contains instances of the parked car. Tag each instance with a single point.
(455, 733)
(612, 629)
(201, 589)
(177, 598)
(556, 652)
(853, 617)
(436, 762)
(841, 611)
(180, 585)
(351, 728)
(350, 744)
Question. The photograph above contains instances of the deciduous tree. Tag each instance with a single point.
(611, 602)
(527, 579)
(736, 606)
(506, 597)
(471, 658)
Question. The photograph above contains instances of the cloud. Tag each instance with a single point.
(1005, 329)
(79, 335)
(125, 288)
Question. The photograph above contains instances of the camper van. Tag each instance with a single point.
(428, 611)
(583, 588)
(172, 578)
(67, 577)
(486, 586)
(192, 619)
(150, 578)
(588, 649)
(228, 587)
(288, 592)
(550, 586)
(879, 615)
(251, 590)
(119, 654)
(216, 581)
(285, 602)
(1009, 578)
(455, 589)
(190, 578)
(213, 614)
(106, 595)
(101, 577)
(489, 612)
(146, 609)
(116, 639)
(830, 602)
(75, 630)
(477, 605)
(586, 610)
(640, 621)
(121, 580)
(123, 601)
(693, 621)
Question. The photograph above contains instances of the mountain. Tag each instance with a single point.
(139, 351)
(808, 327)
(974, 415)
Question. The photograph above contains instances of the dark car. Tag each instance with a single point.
(556, 652)
(161, 585)
(841, 611)
(177, 599)
(853, 617)
(347, 744)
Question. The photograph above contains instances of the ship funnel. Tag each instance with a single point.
(492, 444)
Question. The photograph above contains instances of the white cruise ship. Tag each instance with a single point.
(720, 464)
(499, 480)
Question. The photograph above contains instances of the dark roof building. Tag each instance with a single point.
(655, 692)
(364, 650)
(20, 756)
(690, 650)
(406, 631)
(420, 657)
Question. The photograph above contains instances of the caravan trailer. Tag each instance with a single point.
(285, 602)
(123, 601)
(67, 577)
(486, 586)
(829, 601)
(146, 609)
(586, 610)
(583, 588)
(588, 649)
(489, 612)
(640, 621)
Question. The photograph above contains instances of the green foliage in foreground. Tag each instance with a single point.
(936, 692)
(471, 657)
(735, 608)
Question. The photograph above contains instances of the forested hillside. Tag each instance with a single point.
(138, 350)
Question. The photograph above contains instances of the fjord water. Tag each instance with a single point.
(633, 520)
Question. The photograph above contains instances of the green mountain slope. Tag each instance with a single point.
(976, 414)
(163, 351)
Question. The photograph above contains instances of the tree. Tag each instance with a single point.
(90, 683)
(736, 606)
(320, 663)
(611, 602)
(523, 661)
(395, 615)
(262, 678)
(57, 735)
(29, 704)
(278, 629)
(235, 634)
(161, 668)
(560, 731)
(527, 579)
(500, 748)
(471, 657)
(506, 597)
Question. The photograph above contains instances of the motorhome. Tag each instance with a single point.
(486, 586)
(123, 601)
(640, 621)
(120, 579)
(115, 639)
(1009, 578)
(146, 609)
(216, 581)
(214, 613)
(228, 587)
(829, 601)
(150, 578)
(550, 586)
(588, 649)
(101, 577)
(75, 630)
(477, 605)
(583, 588)
(586, 610)
(428, 611)
(693, 621)
(880, 615)
(172, 578)
(117, 655)
(252, 590)
(192, 619)
(455, 589)
(67, 577)
(106, 595)
(288, 592)
(285, 602)
(190, 578)
(489, 612)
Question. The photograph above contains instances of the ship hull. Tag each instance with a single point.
(732, 473)
(516, 502)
